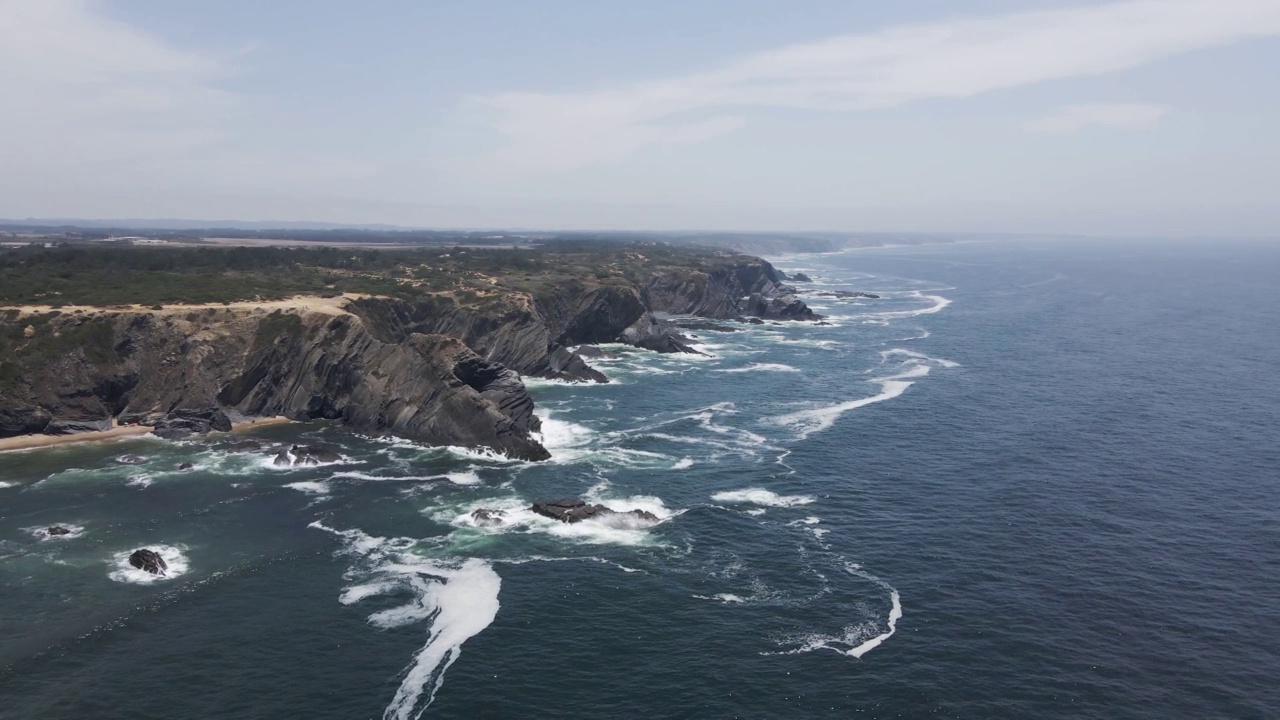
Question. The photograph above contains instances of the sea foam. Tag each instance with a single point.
(760, 496)
(458, 597)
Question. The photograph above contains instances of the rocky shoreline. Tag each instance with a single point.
(429, 370)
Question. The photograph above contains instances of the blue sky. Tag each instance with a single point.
(1150, 117)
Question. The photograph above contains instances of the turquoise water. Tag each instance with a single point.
(1033, 480)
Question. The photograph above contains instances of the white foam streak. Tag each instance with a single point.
(4, 484)
(762, 497)
(916, 366)
(310, 487)
(461, 603)
(564, 440)
(459, 598)
(761, 367)
(895, 614)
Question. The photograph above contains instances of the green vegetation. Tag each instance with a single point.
(94, 337)
(275, 326)
(86, 274)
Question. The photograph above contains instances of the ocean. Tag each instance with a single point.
(1032, 479)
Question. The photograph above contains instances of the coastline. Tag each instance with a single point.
(33, 442)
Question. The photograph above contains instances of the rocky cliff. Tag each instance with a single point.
(430, 369)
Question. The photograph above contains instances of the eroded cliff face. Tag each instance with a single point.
(747, 288)
(433, 370)
(193, 372)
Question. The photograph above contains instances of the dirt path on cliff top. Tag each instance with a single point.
(308, 303)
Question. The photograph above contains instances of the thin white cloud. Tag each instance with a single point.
(97, 109)
(1120, 116)
(549, 132)
(82, 87)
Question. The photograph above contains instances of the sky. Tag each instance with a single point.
(1124, 117)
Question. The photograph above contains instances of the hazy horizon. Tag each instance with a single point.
(1047, 117)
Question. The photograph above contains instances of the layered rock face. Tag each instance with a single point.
(185, 374)
(430, 370)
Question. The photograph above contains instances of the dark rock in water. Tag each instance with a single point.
(568, 365)
(186, 466)
(316, 454)
(779, 303)
(149, 561)
(245, 446)
(593, 351)
(713, 327)
(56, 530)
(131, 459)
(572, 510)
(848, 294)
(755, 321)
(282, 459)
(652, 334)
(822, 323)
(800, 277)
(486, 517)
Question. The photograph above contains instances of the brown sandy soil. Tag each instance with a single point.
(312, 303)
(29, 442)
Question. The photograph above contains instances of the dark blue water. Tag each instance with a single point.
(1033, 480)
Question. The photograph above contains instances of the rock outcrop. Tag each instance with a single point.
(432, 370)
(572, 510)
(149, 561)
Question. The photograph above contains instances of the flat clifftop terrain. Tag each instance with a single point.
(425, 344)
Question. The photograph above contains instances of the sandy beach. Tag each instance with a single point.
(29, 442)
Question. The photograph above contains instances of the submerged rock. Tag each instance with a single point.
(572, 510)
(186, 466)
(131, 459)
(847, 294)
(245, 446)
(486, 517)
(149, 561)
(594, 351)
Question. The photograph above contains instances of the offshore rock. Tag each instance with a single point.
(594, 351)
(56, 530)
(800, 277)
(847, 294)
(652, 334)
(486, 517)
(569, 365)
(149, 561)
(573, 510)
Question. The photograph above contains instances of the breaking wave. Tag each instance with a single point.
(762, 497)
